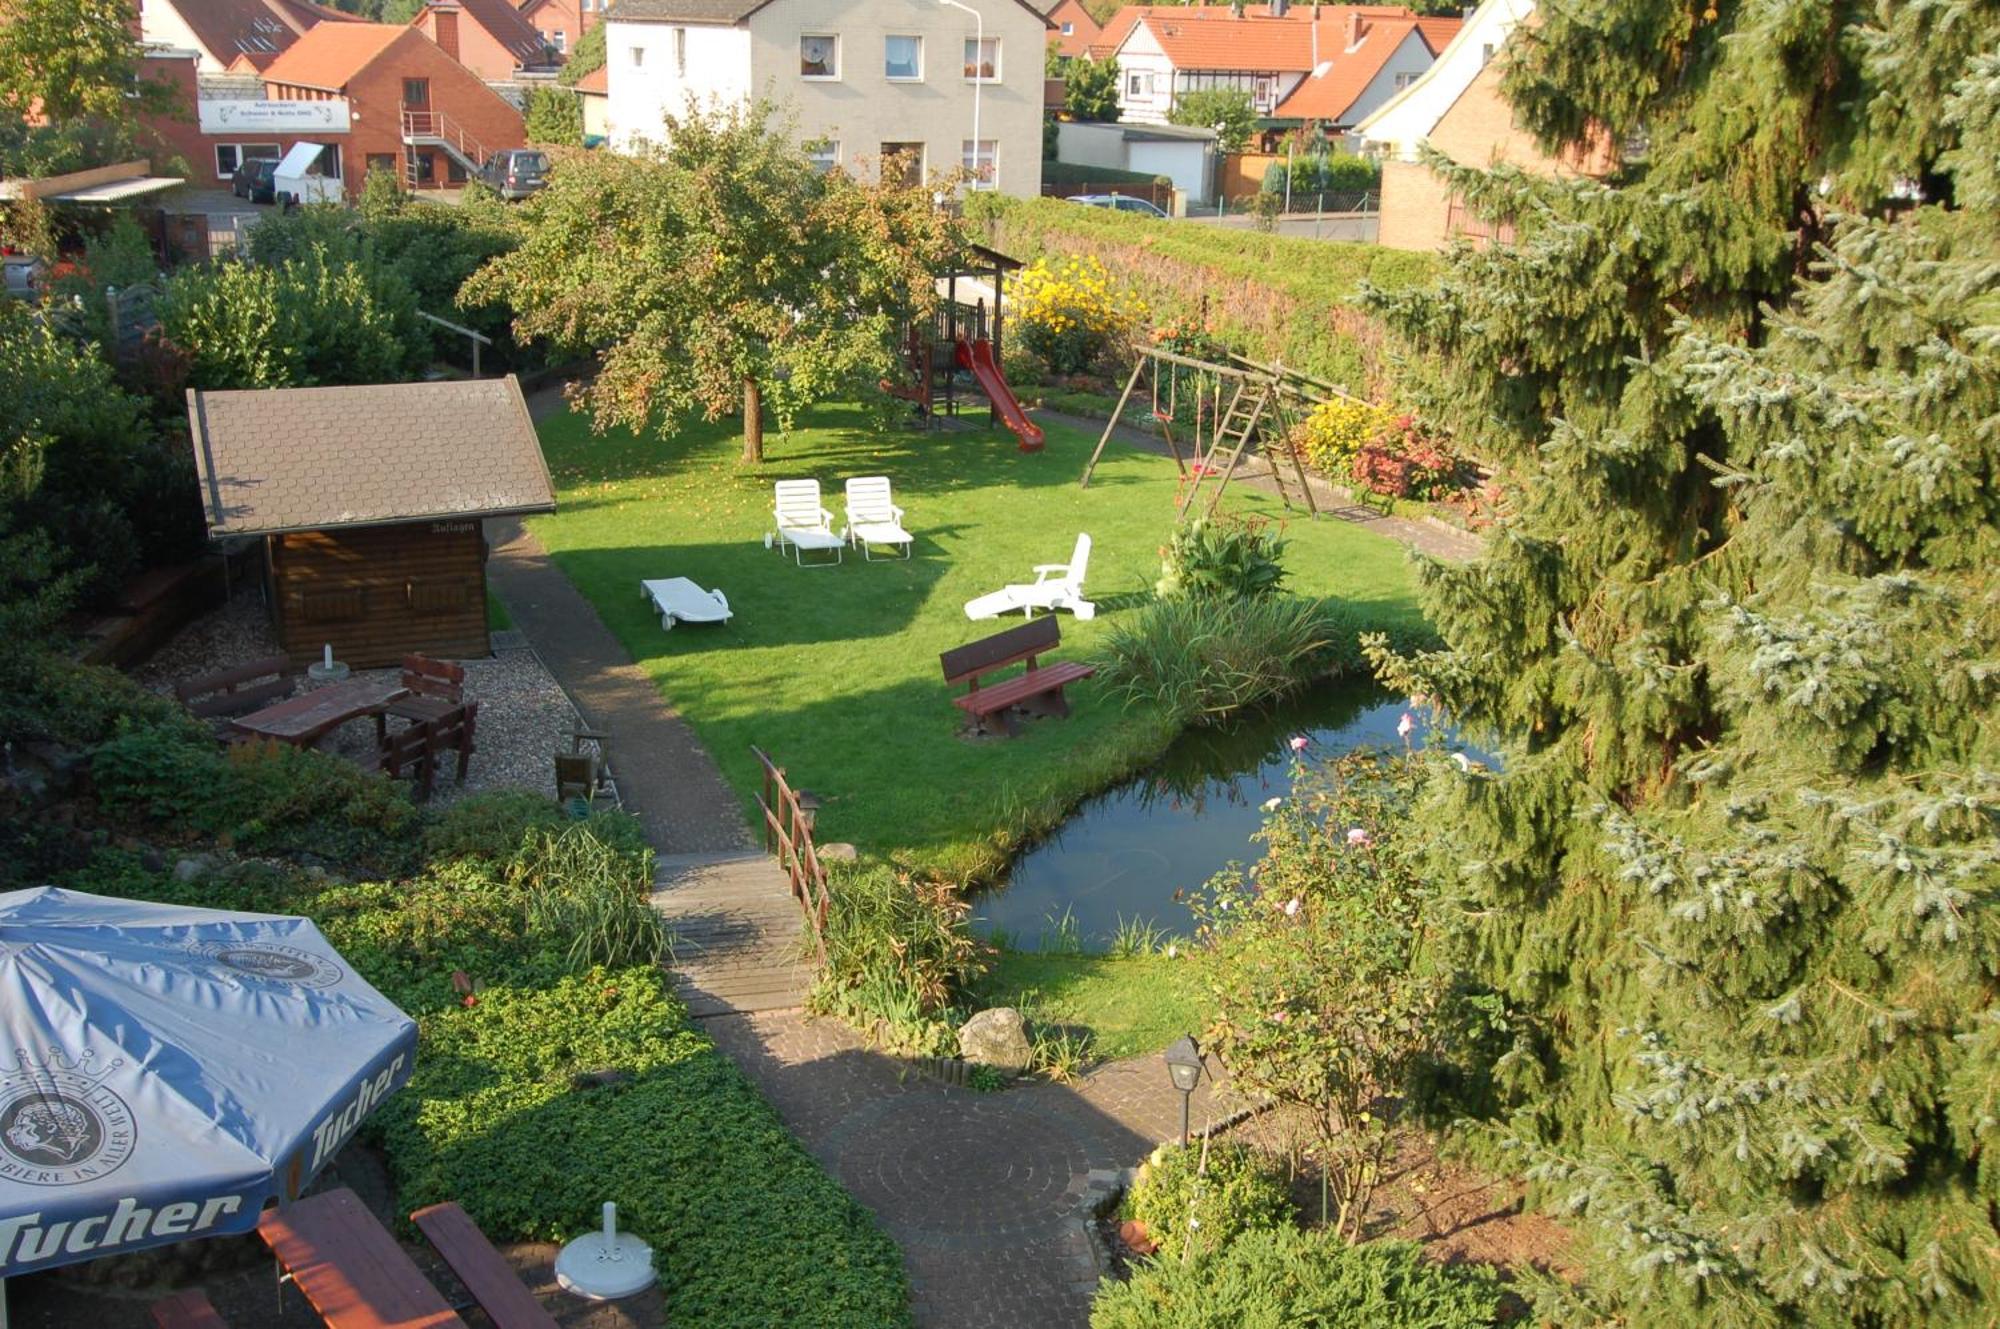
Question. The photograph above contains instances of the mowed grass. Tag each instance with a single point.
(834, 671)
(1130, 1004)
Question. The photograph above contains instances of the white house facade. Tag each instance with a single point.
(866, 80)
(1398, 127)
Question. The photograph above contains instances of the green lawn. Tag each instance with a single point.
(835, 672)
(1130, 1005)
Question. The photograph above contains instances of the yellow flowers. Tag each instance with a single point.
(1337, 429)
(1069, 312)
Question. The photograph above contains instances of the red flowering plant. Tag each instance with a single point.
(1405, 462)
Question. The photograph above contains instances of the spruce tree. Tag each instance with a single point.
(1738, 632)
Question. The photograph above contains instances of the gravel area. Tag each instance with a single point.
(524, 715)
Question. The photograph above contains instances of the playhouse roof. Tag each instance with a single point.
(309, 459)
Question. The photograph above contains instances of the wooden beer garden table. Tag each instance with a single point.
(301, 721)
(350, 1267)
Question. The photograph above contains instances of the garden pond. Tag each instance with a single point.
(1131, 855)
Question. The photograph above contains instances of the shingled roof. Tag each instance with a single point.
(311, 459)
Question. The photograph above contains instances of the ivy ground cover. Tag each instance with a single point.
(834, 671)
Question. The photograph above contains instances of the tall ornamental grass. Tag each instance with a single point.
(1203, 659)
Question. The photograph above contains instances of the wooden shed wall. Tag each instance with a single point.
(382, 592)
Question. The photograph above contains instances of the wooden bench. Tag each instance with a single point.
(432, 689)
(1037, 691)
(350, 1267)
(415, 750)
(238, 691)
(484, 1270)
(186, 1310)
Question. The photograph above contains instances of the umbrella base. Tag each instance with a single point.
(600, 1268)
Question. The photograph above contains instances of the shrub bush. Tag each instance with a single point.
(1193, 1205)
(1226, 557)
(1273, 297)
(1070, 313)
(1324, 173)
(1281, 1278)
(897, 952)
(588, 895)
(1202, 660)
(1330, 436)
(1405, 463)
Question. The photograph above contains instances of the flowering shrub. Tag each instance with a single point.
(1069, 314)
(1194, 1201)
(1406, 464)
(1336, 430)
(1226, 557)
(1186, 334)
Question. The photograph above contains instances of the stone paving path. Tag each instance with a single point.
(1336, 502)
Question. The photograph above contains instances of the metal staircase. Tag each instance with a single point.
(435, 129)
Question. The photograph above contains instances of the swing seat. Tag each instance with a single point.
(1164, 417)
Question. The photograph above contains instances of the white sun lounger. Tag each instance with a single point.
(680, 600)
(1056, 586)
(873, 517)
(801, 522)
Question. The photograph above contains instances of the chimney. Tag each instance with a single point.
(1355, 27)
(446, 19)
(1278, 8)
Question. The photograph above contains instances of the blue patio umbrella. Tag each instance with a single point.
(165, 1072)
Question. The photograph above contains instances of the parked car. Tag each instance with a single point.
(23, 276)
(515, 173)
(1121, 203)
(256, 180)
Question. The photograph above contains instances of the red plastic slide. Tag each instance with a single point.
(978, 357)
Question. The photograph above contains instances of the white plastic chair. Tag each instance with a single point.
(873, 517)
(803, 523)
(1056, 586)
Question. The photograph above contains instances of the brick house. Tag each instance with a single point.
(1072, 29)
(1457, 109)
(561, 23)
(414, 110)
(489, 37)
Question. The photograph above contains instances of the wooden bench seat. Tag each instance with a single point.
(418, 749)
(186, 1310)
(1036, 691)
(350, 1268)
(238, 691)
(483, 1269)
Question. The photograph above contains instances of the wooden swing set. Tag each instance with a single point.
(1237, 407)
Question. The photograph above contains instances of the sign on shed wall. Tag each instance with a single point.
(246, 117)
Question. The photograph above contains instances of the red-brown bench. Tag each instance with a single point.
(186, 1310)
(238, 691)
(1036, 691)
(349, 1266)
(484, 1270)
(416, 749)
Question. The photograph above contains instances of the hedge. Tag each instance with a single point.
(1073, 173)
(1270, 297)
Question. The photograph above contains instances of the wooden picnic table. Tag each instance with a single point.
(303, 720)
(349, 1266)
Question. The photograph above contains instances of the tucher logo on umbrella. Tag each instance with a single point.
(58, 1125)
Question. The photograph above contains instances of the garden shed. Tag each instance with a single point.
(369, 502)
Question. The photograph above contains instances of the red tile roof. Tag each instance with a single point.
(1438, 32)
(254, 31)
(597, 80)
(505, 24)
(330, 55)
(1328, 92)
(1212, 37)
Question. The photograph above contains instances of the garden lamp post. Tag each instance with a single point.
(978, 75)
(1184, 1068)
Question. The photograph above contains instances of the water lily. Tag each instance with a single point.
(1299, 742)
(1172, 951)
(1292, 907)
(1464, 762)
(1356, 835)
(1405, 726)
(1273, 804)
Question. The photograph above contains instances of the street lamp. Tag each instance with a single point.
(1184, 1068)
(978, 79)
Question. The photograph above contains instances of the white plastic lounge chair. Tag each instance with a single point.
(873, 517)
(680, 600)
(802, 523)
(1056, 586)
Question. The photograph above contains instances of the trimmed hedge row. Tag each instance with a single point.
(1270, 297)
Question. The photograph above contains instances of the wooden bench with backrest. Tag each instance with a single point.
(483, 1269)
(1037, 691)
(433, 688)
(239, 691)
(186, 1310)
(415, 749)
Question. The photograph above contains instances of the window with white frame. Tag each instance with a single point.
(560, 41)
(1069, 29)
(824, 155)
(982, 59)
(903, 58)
(1139, 84)
(681, 52)
(1404, 81)
(981, 162)
(819, 56)
(903, 163)
(229, 156)
(638, 57)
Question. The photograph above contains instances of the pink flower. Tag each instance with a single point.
(1279, 1017)
(1292, 907)
(1355, 835)
(1404, 726)
(1299, 742)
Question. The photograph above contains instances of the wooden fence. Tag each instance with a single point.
(788, 833)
